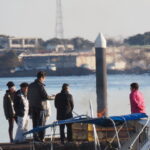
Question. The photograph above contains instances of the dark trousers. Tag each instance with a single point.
(11, 126)
(69, 132)
(38, 119)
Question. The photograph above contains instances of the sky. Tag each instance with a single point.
(85, 18)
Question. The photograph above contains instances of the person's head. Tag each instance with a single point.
(24, 87)
(11, 86)
(134, 86)
(41, 76)
(65, 87)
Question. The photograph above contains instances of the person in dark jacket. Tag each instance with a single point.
(38, 97)
(21, 106)
(8, 104)
(64, 105)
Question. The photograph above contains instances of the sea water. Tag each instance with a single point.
(83, 89)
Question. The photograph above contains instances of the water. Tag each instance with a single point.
(83, 91)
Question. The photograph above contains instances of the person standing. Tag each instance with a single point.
(137, 101)
(8, 104)
(64, 105)
(38, 97)
(21, 106)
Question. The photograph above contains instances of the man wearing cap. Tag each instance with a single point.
(38, 97)
(21, 106)
(64, 105)
(8, 104)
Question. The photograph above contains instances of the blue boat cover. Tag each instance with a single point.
(103, 121)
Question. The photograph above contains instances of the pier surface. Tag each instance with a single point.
(47, 146)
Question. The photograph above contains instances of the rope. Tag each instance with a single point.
(114, 137)
(96, 139)
(119, 145)
(127, 127)
(52, 139)
(131, 146)
(52, 136)
(30, 144)
(33, 143)
(75, 113)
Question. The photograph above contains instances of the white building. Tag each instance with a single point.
(23, 43)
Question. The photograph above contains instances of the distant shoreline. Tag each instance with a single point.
(60, 72)
(68, 72)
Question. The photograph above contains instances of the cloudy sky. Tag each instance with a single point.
(85, 18)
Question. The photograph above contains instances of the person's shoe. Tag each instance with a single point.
(20, 142)
(11, 141)
(43, 140)
(36, 139)
(70, 141)
(62, 142)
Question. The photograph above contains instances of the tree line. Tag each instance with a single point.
(139, 39)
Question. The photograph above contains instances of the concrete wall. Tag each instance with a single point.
(37, 62)
(86, 61)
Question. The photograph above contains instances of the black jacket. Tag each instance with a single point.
(64, 105)
(18, 103)
(8, 104)
(37, 95)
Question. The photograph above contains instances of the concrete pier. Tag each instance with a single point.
(47, 146)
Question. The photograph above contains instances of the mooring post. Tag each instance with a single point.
(101, 75)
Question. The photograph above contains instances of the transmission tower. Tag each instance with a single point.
(59, 31)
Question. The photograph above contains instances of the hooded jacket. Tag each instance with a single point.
(8, 105)
(21, 104)
(64, 105)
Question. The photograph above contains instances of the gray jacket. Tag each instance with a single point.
(37, 95)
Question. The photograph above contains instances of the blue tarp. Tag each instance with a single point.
(103, 121)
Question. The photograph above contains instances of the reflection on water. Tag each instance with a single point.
(83, 90)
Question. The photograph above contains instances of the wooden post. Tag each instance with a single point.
(101, 76)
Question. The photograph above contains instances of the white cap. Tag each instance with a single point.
(100, 41)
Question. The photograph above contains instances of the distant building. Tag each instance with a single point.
(60, 47)
(59, 60)
(4, 42)
(23, 43)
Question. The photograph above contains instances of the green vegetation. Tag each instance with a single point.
(79, 43)
(3, 41)
(139, 39)
(8, 61)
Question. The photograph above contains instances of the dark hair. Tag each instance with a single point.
(41, 74)
(134, 86)
(10, 84)
(64, 86)
(24, 84)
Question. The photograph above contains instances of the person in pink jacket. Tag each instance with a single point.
(136, 99)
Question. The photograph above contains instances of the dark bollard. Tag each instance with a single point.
(101, 76)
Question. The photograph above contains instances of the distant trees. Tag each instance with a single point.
(8, 61)
(3, 41)
(113, 42)
(139, 39)
(78, 42)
